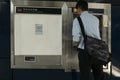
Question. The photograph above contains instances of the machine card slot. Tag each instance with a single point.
(29, 59)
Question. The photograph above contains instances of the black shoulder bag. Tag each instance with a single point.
(96, 48)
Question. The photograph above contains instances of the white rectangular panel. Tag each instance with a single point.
(38, 34)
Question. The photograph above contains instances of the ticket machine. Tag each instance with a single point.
(41, 33)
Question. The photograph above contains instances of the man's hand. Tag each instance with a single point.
(75, 44)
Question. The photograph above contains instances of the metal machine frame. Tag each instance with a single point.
(68, 60)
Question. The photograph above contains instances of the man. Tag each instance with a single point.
(91, 25)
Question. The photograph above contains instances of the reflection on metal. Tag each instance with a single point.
(105, 21)
(67, 59)
(115, 71)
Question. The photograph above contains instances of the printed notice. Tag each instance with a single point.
(38, 29)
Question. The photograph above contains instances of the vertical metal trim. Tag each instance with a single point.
(64, 25)
(12, 34)
(109, 27)
(63, 41)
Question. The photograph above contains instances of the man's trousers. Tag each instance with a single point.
(86, 64)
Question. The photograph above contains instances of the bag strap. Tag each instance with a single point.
(82, 28)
